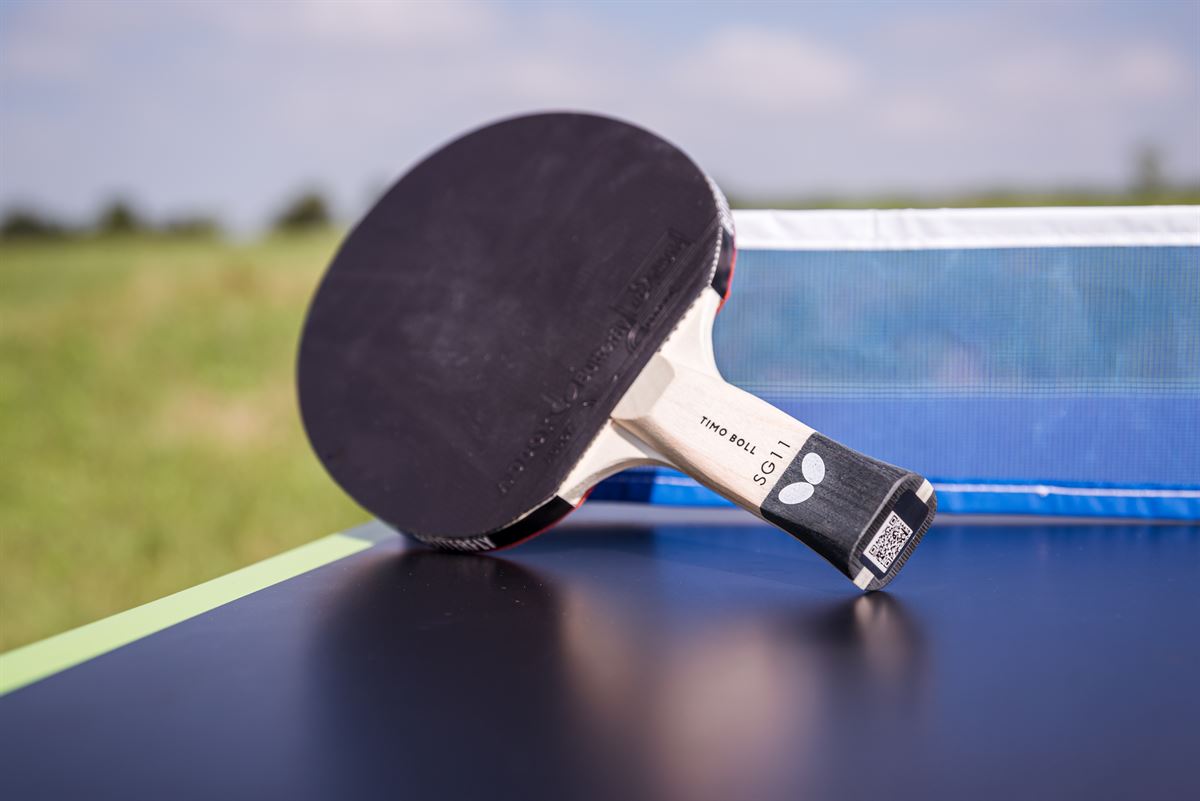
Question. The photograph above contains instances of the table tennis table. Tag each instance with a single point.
(635, 653)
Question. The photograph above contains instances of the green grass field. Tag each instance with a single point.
(148, 427)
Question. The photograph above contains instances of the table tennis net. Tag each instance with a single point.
(1028, 361)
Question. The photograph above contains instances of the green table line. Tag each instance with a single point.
(40, 660)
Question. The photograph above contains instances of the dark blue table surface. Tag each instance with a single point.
(701, 659)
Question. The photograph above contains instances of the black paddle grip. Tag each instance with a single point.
(857, 512)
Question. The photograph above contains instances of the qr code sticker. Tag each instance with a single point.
(887, 542)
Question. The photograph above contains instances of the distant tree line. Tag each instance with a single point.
(117, 218)
(309, 210)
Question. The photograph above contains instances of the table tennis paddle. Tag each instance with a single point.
(528, 311)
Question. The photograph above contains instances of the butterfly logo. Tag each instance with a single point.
(812, 467)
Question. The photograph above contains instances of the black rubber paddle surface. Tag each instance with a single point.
(476, 329)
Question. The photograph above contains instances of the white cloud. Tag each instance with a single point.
(918, 115)
(1037, 71)
(769, 71)
(1150, 72)
(1066, 72)
(358, 23)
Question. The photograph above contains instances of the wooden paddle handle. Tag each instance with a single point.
(863, 515)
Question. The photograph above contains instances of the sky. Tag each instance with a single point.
(230, 108)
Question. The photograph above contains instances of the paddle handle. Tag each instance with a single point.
(863, 515)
